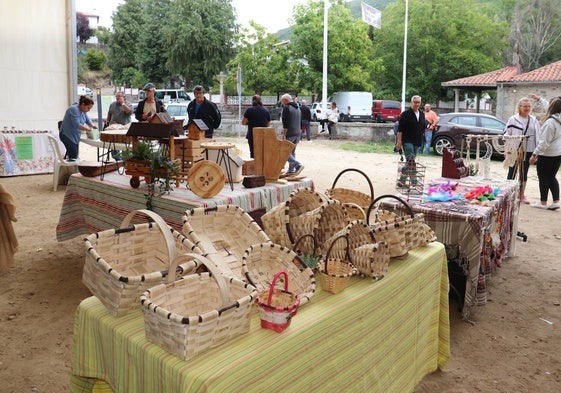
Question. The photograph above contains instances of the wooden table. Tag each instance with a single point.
(481, 234)
(375, 336)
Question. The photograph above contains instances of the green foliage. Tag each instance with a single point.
(83, 30)
(95, 59)
(132, 77)
(103, 35)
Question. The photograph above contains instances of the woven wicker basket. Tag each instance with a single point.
(121, 263)
(369, 256)
(277, 306)
(401, 233)
(223, 234)
(198, 311)
(334, 273)
(262, 261)
(355, 201)
(283, 223)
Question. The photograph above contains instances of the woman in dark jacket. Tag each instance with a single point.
(149, 106)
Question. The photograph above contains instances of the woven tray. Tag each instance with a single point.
(198, 311)
(121, 263)
(355, 201)
(262, 261)
(223, 234)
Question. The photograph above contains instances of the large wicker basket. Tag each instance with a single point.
(121, 263)
(223, 234)
(284, 224)
(197, 312)
(356, 202)
(262, 261)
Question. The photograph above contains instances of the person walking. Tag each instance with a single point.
(432, 119)
(207, 111)
(547, 155)
(75, 121)
(291, 131)
(255, 116)
(306, 119)
(523, 123)
(410, 134)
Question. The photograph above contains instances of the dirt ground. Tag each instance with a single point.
(514, 344)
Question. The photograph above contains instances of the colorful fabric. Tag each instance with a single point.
(459, 222)
(25, 152)
(375, 336)
(91, 205)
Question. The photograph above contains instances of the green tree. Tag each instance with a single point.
(351, 64)
(446, 40)
(83, 29)
(198, 38)
(103, 35)
(123, 43)
(95, 59)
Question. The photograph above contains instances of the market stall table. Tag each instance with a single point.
(25, 152)
(482, 233)
(375, 336)
(91, 205)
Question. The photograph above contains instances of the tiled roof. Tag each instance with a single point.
(488, 79)
(548, 73)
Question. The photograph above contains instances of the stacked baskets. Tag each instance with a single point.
(355, 202)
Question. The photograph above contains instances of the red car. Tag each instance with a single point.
(385, 110)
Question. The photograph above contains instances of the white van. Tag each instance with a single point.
(168, 95)
(353, 105)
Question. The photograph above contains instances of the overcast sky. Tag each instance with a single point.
(272, 14)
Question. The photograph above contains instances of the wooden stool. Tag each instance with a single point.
(223, 157)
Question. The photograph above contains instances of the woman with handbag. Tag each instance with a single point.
(523, 123)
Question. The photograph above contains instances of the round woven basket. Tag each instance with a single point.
(355, 201)
(261, 262)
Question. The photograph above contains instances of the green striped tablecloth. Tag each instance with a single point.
(92, 205)
(373, 337)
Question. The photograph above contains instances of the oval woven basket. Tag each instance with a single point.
(284, 224)
(223, 233)
(334, 273)
(198, 311)
(121, 263)
(262, 261)
(355, 201)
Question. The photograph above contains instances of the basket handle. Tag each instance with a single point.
(331, 247)
(273, 283)
(159, 221)
(373, 205)
(362, 173)
(295, 247)
(222, 286)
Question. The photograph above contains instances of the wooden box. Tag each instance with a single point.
(254, 181)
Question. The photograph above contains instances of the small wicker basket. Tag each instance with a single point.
(223, 234)
(262, 261)
(355, 202)
(121, 263)
(277, 306)
(198, 311)
(334, 273)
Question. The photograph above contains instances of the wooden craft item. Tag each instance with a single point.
(254, 181)
(93, 168)
(115, 136)
(206, 179)
(453, 166)
(196, 129)
(270, 152)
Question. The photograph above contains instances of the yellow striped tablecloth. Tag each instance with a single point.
(373, 337)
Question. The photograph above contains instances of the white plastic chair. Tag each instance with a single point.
(59, 160)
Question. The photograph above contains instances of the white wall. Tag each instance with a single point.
(35, 58)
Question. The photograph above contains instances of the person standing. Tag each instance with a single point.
(75, 121)
(410, 135)
(523, 123)
(547, 154)
(120, 111)
(207, 111)
(149, 106)
(255, 116)
(306, 119)
(432, 119)
(291, 131)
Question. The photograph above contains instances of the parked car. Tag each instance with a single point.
(452, 126)
(353, 105)
(385, 110)
(178, 110)
(317, 111)
(276, 111)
